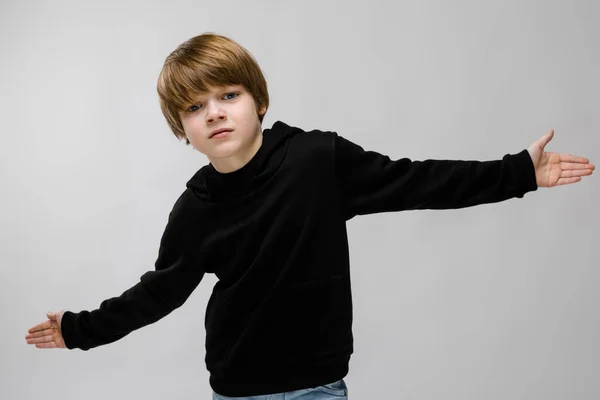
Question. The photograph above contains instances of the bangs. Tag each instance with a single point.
(182, 84)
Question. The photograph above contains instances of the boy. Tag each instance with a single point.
(268, 217)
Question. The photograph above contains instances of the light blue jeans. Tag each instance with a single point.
(331, 391)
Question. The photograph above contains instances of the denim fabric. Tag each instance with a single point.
(331, 391)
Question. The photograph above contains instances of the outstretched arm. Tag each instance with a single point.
(371, 182)
(157, 294)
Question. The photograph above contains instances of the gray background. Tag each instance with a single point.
(489, 302)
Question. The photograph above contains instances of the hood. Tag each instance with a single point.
(211, 185)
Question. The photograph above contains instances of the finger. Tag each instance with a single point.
(573, 158)
(43, 339)
(578, 172)
(40, 333)
(38, 327)
(577, 166)
(51, 345)
(566, 181)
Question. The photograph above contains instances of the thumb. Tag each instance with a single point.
(51, 315)
(546, 138)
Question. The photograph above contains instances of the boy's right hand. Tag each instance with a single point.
(48, 334)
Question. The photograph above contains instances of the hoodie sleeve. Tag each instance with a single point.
(158, 292)
(373, 183)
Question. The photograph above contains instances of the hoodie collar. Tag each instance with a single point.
(213, 185)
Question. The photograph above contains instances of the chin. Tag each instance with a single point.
(223, 149)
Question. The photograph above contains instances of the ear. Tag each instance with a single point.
(262, 111)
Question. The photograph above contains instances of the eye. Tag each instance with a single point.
(227, 94)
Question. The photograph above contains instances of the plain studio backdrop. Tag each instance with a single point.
(497, 301)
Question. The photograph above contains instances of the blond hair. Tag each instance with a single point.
(205, 61)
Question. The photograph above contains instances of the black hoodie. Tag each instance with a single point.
(274, 233)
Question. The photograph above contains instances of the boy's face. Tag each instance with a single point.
(231, 107)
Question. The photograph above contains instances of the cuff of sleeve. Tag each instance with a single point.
(67, 328)
(524, 163)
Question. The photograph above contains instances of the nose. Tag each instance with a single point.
(214, 112)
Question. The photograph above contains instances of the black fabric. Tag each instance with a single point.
(274, 233)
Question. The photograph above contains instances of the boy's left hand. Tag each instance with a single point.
(553, 169)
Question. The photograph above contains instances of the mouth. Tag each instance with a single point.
(219, 133)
